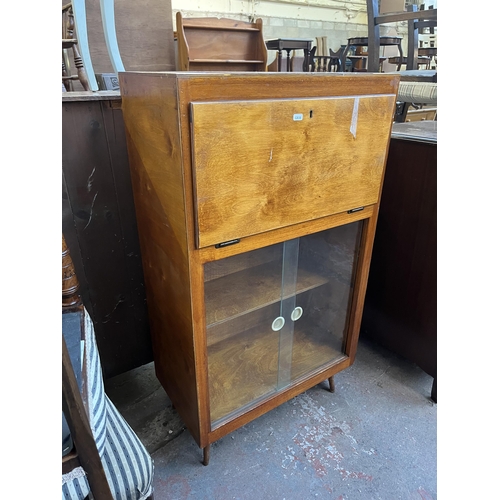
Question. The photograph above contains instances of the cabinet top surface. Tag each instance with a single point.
(262, 74)
(88, 95)
(214, 85)
(422, 131)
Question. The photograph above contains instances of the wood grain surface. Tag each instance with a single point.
(220, 44)
(100, 228)
(161, 216)
(304, 159)
(244, 368)
(144, 32)
(256, 288)
(405, 256)
(241, 194)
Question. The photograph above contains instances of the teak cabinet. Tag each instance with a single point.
(256, 197)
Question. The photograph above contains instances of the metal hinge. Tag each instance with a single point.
(227, 243)
(355, 210)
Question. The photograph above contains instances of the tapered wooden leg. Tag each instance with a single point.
(206, 455)
(434, 390)
(332, 384)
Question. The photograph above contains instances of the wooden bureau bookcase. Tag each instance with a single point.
(256, 197)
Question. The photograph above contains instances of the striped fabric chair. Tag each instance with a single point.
(414, 93)
(416, 87)
(418, 92)
(127, 465)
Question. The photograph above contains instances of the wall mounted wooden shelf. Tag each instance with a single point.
(257, 198)
(213, 44)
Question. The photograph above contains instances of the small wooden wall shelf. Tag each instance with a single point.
(257, 198)
(213, 44)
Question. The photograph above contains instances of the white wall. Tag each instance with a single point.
(335, 19)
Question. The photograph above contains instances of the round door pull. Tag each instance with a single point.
(297, 313)
(278, 323)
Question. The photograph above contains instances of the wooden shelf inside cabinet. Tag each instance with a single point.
(256, 226)
(213, 44)
(225, 61)
(240, 377)
(260, 286)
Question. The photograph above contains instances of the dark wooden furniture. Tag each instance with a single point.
(326, 63)
(428, 52)
(422, 61)
(401, 299)
(84, 453)
(425, 55)
(257, 198)
(99, 224)
(416, 20)
(296, 63)
(213, 44)
(363, 41)
(287, 45)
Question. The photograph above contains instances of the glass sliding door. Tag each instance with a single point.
(325, 282)
(243, 307)
(275, 315)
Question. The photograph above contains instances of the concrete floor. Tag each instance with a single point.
(374, 438)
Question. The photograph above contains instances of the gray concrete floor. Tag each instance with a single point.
(374, 438)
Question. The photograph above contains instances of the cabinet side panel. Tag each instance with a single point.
(150, 112)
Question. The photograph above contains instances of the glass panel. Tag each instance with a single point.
(276, 314)
(325, 280)
(289, 277)
(243, 302)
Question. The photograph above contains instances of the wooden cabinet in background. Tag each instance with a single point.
(401, 300)
(257, 198)
(100, 228)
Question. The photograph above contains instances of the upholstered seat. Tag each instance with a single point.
(127, 464)
(418, 92)
(416, 87)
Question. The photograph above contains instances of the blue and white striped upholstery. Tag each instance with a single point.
(127, 464)
(75, 485)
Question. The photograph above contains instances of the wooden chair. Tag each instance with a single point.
(417, 20)
(360, 59)
(416, 95)
(422, 61)
(212, 44)
(84, 455)
(69, 42)
(90, 414)
(325, 63)
(322, 59)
